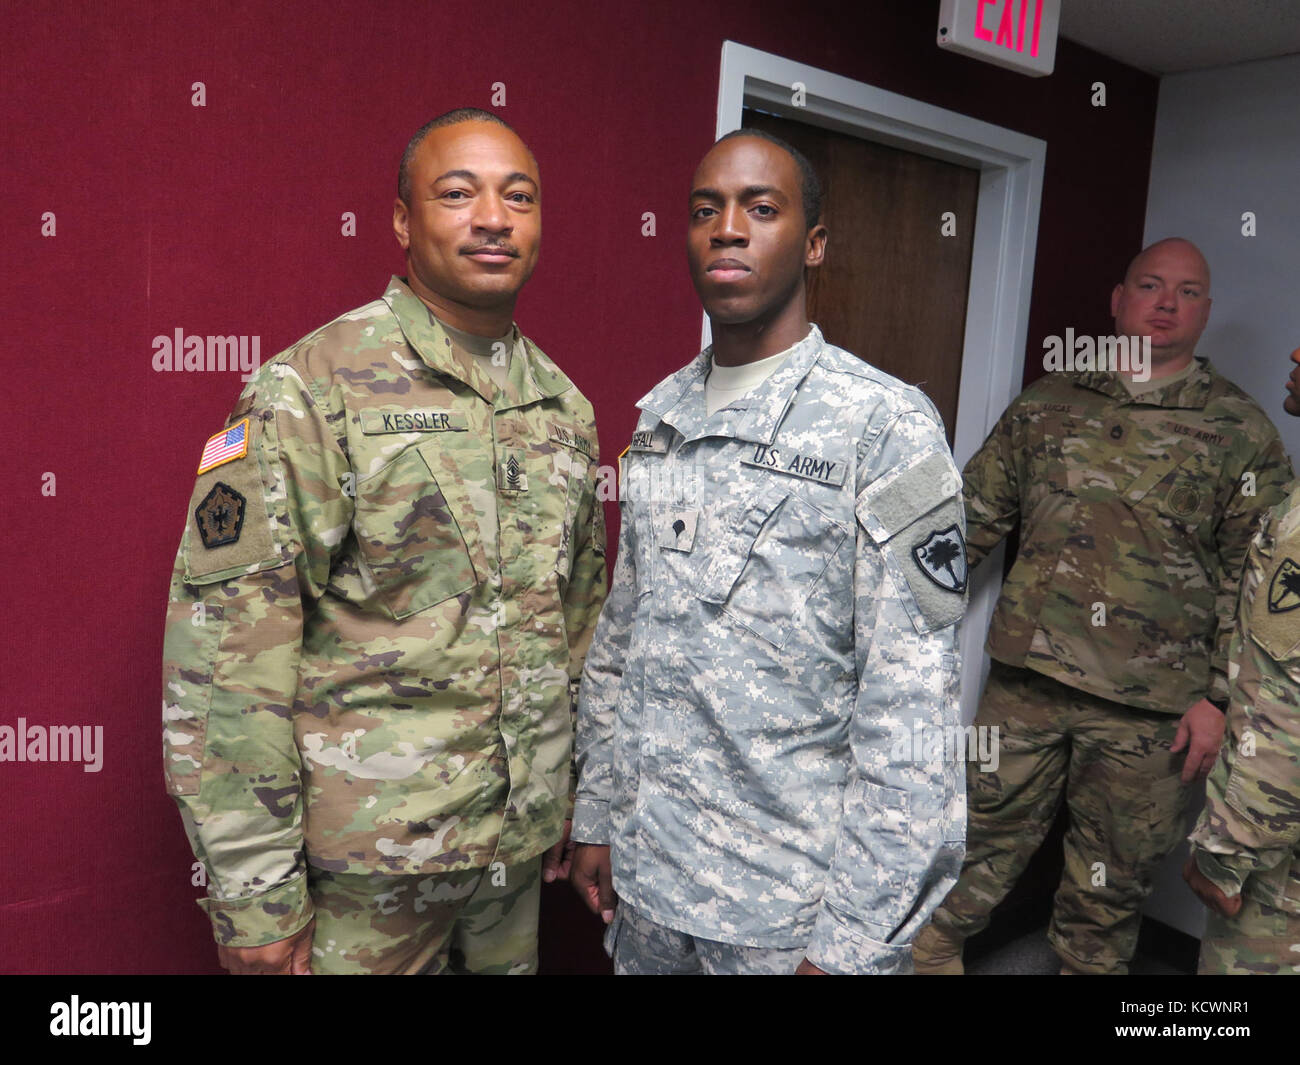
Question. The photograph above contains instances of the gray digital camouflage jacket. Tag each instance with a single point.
(779, 633)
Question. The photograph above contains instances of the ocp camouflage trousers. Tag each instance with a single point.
(1261, 940)
(470, 921)
(1113, 767)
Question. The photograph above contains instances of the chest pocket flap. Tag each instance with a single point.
(762, 572)
(729, 556)
(408, 535)
(1158, 469)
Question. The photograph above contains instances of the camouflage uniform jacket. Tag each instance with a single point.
(1135, 515)
(355, 662)
(770, 645)
(1248, 836)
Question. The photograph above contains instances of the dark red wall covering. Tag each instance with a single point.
(226, 220)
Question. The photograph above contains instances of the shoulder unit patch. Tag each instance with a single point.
(1284, 589)
(941, 556)
(220, 517)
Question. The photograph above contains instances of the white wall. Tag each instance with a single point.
(1228, 141)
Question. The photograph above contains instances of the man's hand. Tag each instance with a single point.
(1209, 892)
(807, 968)
(1201, 732)
(557, 860)
(593, 880)
(284, 957)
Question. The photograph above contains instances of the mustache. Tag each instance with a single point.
(503, 247)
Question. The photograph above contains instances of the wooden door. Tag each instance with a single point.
(893, 287)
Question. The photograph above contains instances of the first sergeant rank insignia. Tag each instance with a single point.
(942, 557)
(220, 516)
(510, 473)
(1284, 589)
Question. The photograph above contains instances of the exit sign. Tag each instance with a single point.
(1016, 34)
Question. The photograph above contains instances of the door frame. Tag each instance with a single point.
(1002, 257)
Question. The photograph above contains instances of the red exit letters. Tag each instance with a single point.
(1010, 31)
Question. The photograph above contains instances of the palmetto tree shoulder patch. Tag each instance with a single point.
(1284, 589)
(941, 556)
(1274, 622)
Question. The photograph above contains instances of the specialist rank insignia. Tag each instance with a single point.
(220, 516)
(942, 557)
(1284, 590)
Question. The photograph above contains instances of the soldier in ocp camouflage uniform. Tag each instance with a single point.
(1136, 504)
(781, 628)
(1245, 861)
(392, 569)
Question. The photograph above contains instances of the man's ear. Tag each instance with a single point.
(815, 245)
(402, 223)
(1114, 299)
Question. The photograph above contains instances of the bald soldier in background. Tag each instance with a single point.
(1245, 860)
(1136, 503)
(392, 569)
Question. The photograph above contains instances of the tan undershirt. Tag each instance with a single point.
(728, 383)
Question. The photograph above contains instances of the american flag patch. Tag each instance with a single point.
(225, 446)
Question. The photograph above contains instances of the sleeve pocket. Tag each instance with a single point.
(193, 635)
(873, 856)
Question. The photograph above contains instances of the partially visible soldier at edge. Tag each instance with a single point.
(1245, 860)
(1136, 503)
(781, 626)
(392, 568)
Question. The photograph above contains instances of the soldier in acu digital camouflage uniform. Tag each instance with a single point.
(781, 627)
(1245, 861)
(1136, 504)
(392, 570)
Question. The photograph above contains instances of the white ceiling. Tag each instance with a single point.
(1170, 36)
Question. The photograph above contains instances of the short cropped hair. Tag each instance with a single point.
(810, 186)
(451, 118)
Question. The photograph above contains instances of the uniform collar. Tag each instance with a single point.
(679, 400)
(532, 378)
(1193, 391)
